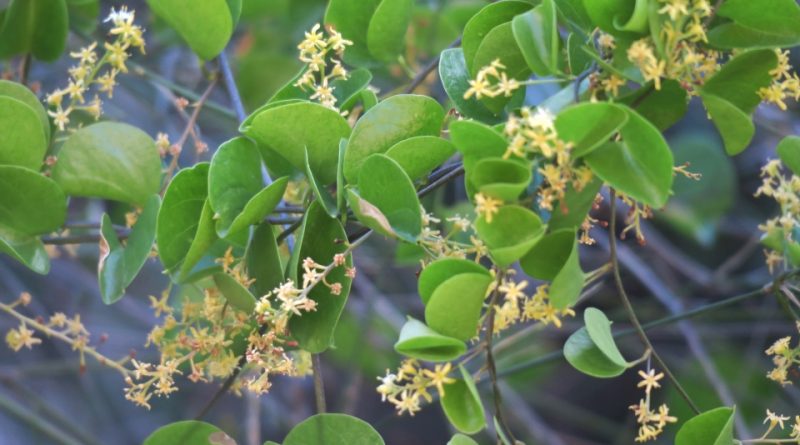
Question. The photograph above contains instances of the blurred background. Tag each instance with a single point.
(701, 249)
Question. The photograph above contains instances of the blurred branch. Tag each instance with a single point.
(430, 67)
(230, 84)
(13, 408)
(319, 384)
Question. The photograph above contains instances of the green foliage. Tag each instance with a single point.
(789, 152)
(37, 27)
(713, 427)
(419, 341)
(511, 233)
(235, 293)
(22, 138)
(206, 27)
(377, 28)
(765, 24)
(536, 33)
(592, 350)
(462, 405)
(188, 431)
(455, 77)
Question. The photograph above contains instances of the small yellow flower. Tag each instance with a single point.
(650, 380)
(487, 206)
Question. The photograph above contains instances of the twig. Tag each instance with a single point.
(15, 409)
(612, 237)
(230, 85)
(490, 363)
(25, 68)
(319, 384)
(423, 74)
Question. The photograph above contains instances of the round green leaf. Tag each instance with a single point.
(264, 260)
(109, 160)
(26, 249)
(205, 234)
(713, 427)
(352, 20)
(205, 26)
(739, 80)
(188, 432)
(763, 24)
(599, 328)
(511, 234)
(419, 341)
(23, 94)
(500, 178)
(499, 43)
(386, 34)
(421, 154)
(571, 211)
(455, 79)
(346, 91)
(589, 125)
(384, 125)
(235, 294)
(476, 141)
(734, 125)
(460, 439)
(484, 21)
(38, 27)
(640, 165)
(383, 184)
(180, 214)
(321, 239)
(333, 429)
(22, 138)
(441, 270)
(119, 265)
(287, 129)
(581, 352)
(32, 204)
(536, 33)
(664, 107)
(789, 152)
(454, 308)
(234, 178)
(462, 405)
(546, 259)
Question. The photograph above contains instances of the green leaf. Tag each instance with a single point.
(638, 21)
(419, 155)
(501, 178)
(234, 177)
(571, 211)
(38, 27)
(386, 34)
(352, 20)
(26, 249)
(260, 205)
(589, 125)
(483, 22)
(582, 353)
(23, 94)
(607, 14)
(32, 204)
(287, 129)
(346, 91)
(205, 234)
(536, 33)
(713, 427)
(384, 185)
(83, 15)
(511, 234)
(235, 294)
(419, 341)
(455, 79)
(476, 141)
(109, 160)
(264, 260)
(22, 138)
(118, 264)
(462, 404)
(500, 43)
(205, 26)
(664, 107)
(599, 328)
(341, 195)
(574, 12)
(763, 24)
(577, 59)
(323, 196)
(789, 152)
(454, 308)
(333, 429)
(180, 214)
(556, 257)
(640, 165)
(734, 125)
(322, 238)
(393, 120)
(439, 271)
(188, 432)
(460, 439)
(739, 80)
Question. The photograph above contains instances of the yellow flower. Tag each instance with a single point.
(487, 206)
(439, 377)
(775, 420)
(650, 380)
(22, 337)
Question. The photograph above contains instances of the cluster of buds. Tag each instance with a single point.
(406, 388)
(318, 53)
(637, 212)
(784, 190)
(783, 357)
(516, 306)
(785, 83)
(452, 244)
(87, 72)
(651, 422)
(492, 81)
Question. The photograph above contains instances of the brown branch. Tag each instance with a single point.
(490, 363)
(319, 384)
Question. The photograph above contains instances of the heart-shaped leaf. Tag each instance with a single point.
(454, 308)
(23, 94)
(581, 352)
(109, 160)
(32, 204)
(511, 234)
(734, 125)
(118, 264)
(391, 121)
(206, 26)
(713, 427)
(599, 328)
(500, 178)
(462, 404)
(333, 429)
(419, 341)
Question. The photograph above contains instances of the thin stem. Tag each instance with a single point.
(612, 237)
(25, 68)
(319, 384)
(423, 74)
(230, 85)
(490, 363)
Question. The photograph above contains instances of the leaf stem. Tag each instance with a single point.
(319, 384)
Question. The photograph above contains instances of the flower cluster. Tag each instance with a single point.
(437, 245)
(405, 388)
(87, 72)
(784, 190)
(776, 420)
(784, 357)
(678, 54)
(317, 53)
(785, 83)
(516, 306)
(651, 422)
(492, 81)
